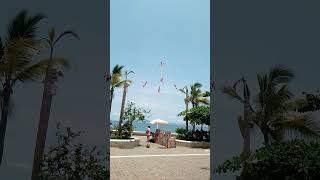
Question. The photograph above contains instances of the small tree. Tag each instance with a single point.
(69, 160)
(133, 113)
(198, 115)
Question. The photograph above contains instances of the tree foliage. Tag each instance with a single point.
(133, 113)
(197, 115)
(292, 160)
(274, 107)
(197, 96)
(70, 161)
(310, 102)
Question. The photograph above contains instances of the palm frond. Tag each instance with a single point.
(231, 92)
(202, 100)
(52, 35)
(66, 33)
(23, 25)
(117, 69)
(18, 54)
(235, 85)
(122, 83)
(296, 104)
(206, 94)
(302, 124)
(37, 70)
(280, 74)
(197, 85)
(181, 90)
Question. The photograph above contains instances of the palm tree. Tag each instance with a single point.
(50, 78)
(185, 91)
(16, 64)
(274, 113)
(275, 106)
(197, 96)
(116, 81)
(125, 89)
(244, 122)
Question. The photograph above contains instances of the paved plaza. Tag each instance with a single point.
(159, 163)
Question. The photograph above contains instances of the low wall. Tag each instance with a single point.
(193, 144)
(140, 133)
(125, 143)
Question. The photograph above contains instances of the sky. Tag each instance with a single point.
(144, 31)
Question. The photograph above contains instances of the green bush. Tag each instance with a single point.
(181, 131)
(123, 136)
(70, 160)
(294, 160)
(183, 134)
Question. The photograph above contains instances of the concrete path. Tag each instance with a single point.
(159, 163)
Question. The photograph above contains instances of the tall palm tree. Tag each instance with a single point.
(197, 97)
(185, 91)
(16, 64)
(275, 106)
(125, 90)
(244, 122)
(48, 92)
(116, 81)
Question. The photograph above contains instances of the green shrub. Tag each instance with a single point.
(116, 136)
(181, 131)
(292, 160)
(183, 134)
(69, 160)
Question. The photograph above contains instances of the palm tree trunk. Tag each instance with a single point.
(111, 97)
(193, 125)
(43, 123)
(4, 118)
(246, 136)
(122, 108)
(187, 122)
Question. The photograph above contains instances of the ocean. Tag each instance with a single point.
(142, 126)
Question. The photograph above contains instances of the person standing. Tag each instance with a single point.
(148, 133)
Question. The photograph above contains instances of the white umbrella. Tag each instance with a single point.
(159, 121)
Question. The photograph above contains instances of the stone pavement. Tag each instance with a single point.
(159, 163)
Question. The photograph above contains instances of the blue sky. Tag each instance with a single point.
(142, 32)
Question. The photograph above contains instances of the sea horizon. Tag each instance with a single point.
(171, 126)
